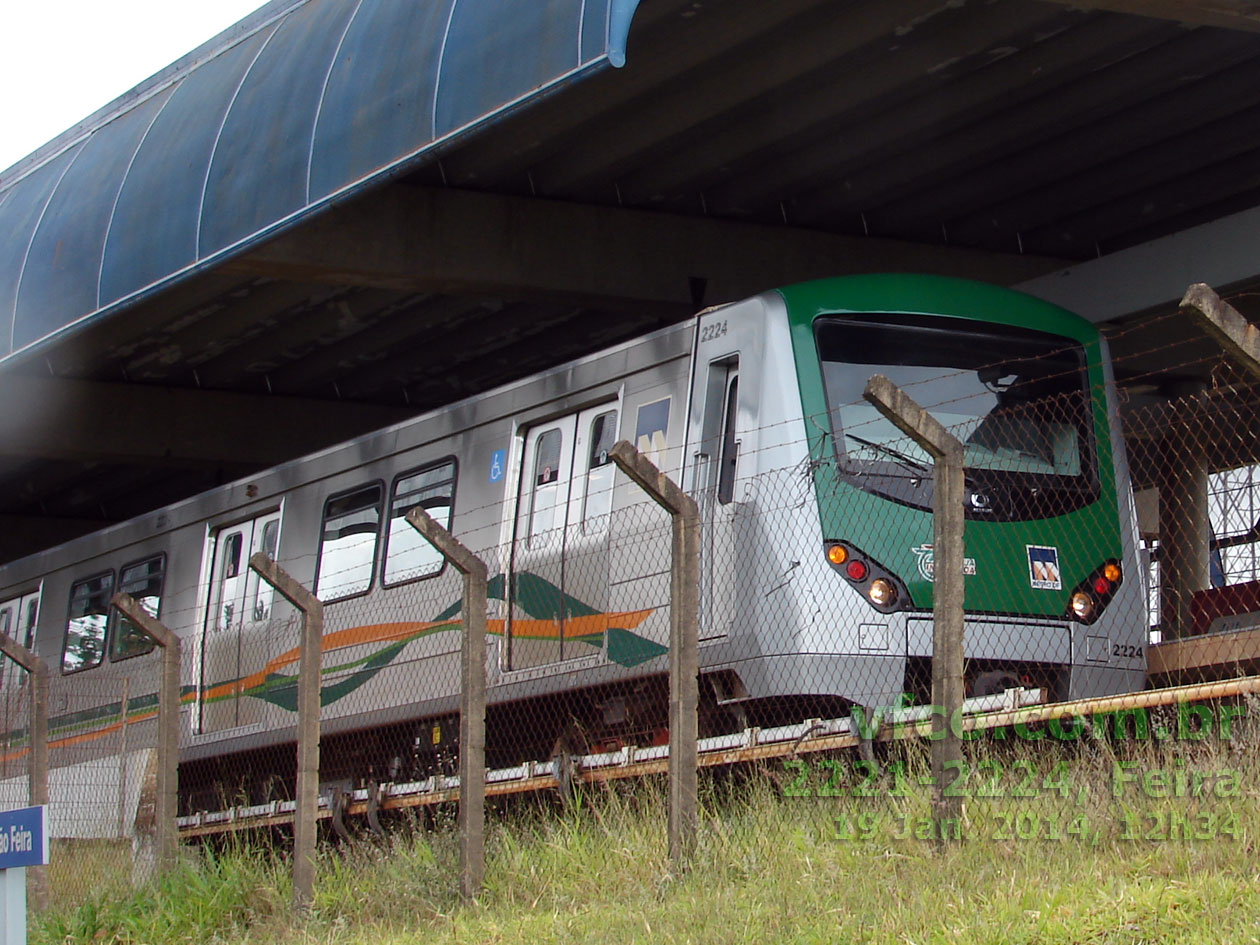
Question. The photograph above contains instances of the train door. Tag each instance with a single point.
(715, 410)
(586, 556)
(559, 549)
(235, 643)
(18, 619)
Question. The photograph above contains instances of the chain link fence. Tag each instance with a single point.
(102, 779)
(1110, 541)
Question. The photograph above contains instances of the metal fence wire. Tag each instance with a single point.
(102, 777)
(1111, 550)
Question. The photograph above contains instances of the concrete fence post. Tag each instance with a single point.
(37, 767)
(472, 701)
(684, 687)
(307, 788)
(949, 491)
(167, 725)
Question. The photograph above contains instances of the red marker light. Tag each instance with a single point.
(1101, 586)
(856, 570)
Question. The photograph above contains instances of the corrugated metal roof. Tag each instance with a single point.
(309, 103)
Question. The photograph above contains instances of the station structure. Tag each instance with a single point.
(340, 213)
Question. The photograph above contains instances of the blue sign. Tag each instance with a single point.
(24, 837)
(498, 459)
(1043, 568)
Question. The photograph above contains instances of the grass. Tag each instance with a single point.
(1054, 868)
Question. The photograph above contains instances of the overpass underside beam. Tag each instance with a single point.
(99, 421)
(1229, 14)
(462, 242)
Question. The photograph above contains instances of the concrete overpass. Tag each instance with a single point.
(341, 212)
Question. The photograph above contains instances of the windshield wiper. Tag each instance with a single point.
(896, 455)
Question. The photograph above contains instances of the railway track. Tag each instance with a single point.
(1012, 708)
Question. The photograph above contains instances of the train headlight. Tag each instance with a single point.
(1082, 605)
(1090, 598)
(882, 593)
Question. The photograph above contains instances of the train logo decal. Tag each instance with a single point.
(927, 562)
(543, 604)
(1043, 568)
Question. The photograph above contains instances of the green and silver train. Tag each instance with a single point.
(816, 551)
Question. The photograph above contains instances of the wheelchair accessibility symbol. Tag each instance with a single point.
(497, 460)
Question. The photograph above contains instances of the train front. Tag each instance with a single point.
(1053, 596)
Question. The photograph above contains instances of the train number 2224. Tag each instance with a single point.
(712, 331)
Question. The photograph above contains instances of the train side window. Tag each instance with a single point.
(143, 581)
(31, 621)
(546, 483)
(264, 594)
(347, 543)
(599, 473)
(84, 644)
(408, 557)
(232, 556)
(728, 459)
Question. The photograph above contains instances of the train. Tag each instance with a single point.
(816, 574)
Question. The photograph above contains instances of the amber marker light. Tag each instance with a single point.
(1111, 571)
(837, 554)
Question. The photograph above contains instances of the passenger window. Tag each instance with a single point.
(729, 456)
(347, 545)
(542, 511)
(264, 594)
(599, 473)
(32, 617)
(408, 557)
(143, 581)
(84, 644)
(232, 556)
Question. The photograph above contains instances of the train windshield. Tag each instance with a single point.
(1017, 399)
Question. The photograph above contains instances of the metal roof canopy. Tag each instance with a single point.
(315, 100)
(381, 205)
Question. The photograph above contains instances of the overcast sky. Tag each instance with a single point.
(60, 61)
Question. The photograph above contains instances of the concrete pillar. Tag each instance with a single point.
(1183, 511)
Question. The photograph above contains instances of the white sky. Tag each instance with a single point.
(62, 60)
